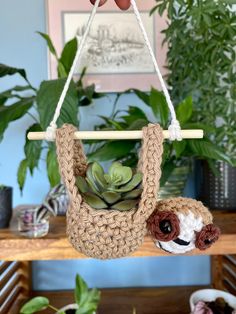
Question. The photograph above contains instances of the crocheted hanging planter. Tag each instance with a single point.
(179, 225)
(107, 234)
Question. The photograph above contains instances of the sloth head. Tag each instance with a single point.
(179, 225)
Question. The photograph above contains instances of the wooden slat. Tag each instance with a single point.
(169, 300)
(10, 287)
(216, 272)
(230, 261)
(4, 266)
(229, 277)
(9, 274)
(229, 286)
(55, 245)
(5, 309)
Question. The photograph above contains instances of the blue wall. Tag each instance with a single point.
(22, 47)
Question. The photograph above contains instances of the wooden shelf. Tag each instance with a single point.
(169, 300)
(55, 245)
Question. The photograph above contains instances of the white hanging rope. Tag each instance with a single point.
(174, 128)
(51, 130)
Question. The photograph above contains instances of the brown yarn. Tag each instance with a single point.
(153, 224)
(207, 236)
(184, 205)
(108, 234)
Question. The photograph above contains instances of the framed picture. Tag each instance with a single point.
(115, 54)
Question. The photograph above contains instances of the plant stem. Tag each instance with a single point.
(53, 308)
(32, 116)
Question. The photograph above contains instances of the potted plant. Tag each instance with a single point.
(39, 104)
(86, 301)
(201, 62)
(178, 157)
(5, 206)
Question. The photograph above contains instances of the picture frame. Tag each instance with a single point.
(115, 54)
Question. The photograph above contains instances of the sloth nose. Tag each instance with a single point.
(181, 242)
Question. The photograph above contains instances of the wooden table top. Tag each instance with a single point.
(55, 245)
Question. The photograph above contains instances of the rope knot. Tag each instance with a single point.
(175, 130)
(51, 132)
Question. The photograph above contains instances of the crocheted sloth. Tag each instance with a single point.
(179, 225)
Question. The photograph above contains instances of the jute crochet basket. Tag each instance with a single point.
(107, 234)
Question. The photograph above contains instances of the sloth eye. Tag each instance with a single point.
(208, 241)
(165, 226)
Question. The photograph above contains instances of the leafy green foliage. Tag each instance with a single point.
(87, 299)
(118, 189)
(201, 61)
(14, 112)
(34, 305)
(8, 70)
(68, 54)
(19, 100)
(52, 167)
(49, 43)
(47, 99)
(175, 153)
(21, 173)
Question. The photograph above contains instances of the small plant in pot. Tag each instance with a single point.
(5, 206)
(119, 189)
(86, 301)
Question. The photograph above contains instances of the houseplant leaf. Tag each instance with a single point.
(52, 167)
(202, 148)
(8, 70)
(49, 43)
(14, 112)
(35, 305)
(68, 54)
(159, 106)
(112, 150)
(184, 110)
(21, 173)
(33, 148)
(48, 97)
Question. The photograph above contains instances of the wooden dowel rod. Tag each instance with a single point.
(116, 135)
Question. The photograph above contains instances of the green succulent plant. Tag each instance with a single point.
(118, 189)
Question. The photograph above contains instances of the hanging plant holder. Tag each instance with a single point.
(109, 233)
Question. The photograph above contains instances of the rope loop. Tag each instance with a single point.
(51, 132)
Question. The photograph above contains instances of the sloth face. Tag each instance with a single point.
(189, 226)
(181, 232)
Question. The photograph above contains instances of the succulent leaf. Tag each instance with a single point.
(94, 201)
(98, 174)
(91, 180)
(125, 205)
(136, 180)
(132, 194)
(111, 197)
(119, 175)
(82, 184)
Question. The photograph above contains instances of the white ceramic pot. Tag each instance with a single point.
(70, 307)
(209, 295)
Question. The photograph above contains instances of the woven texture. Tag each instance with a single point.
(183, 205)
(107, 234)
